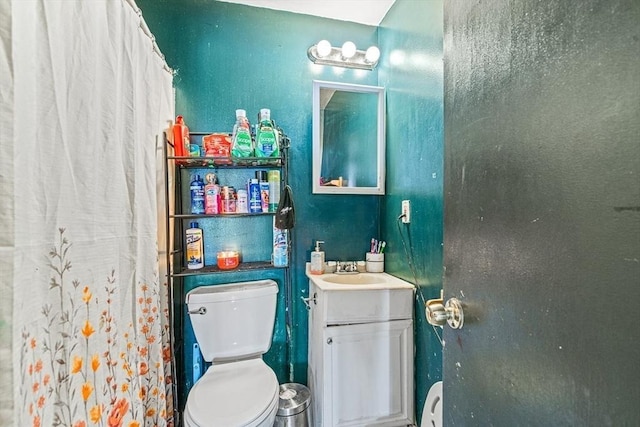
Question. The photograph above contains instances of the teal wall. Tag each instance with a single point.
(230, 56)
(411, 39)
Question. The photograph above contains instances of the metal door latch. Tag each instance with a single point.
(439, 313)
(306, 301)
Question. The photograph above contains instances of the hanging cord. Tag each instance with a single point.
(409, 255)
(147, 32)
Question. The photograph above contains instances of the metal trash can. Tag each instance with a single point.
(294, 407)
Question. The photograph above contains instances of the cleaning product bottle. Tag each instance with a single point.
(211, 195)
(195, 247)
(280, 246)
(317, 259)
(242, 143)
(180, 139)
(266, 136)
(264, 189)
(197, 195)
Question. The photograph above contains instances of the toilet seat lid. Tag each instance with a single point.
(232, 394)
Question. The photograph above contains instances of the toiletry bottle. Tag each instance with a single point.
(280, 246)
(180, 139)
(242, 204)
(273, 178)
(264, 189)
(211, 195)
(317, 259)
(242, 143)
(255, 202)
(195, 247)
(266, 136)
(197, 195)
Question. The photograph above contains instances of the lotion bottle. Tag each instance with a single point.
(317, 259)
(195, 247)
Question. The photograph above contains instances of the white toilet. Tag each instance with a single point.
(233, 325)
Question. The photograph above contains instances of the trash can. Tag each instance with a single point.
(293, 408)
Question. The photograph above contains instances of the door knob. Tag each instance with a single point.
(439, 313)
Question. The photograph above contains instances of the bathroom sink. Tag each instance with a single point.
(355, 279)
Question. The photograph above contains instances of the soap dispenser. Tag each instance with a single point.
(317, 259)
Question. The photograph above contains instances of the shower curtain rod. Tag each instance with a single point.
(145, 29)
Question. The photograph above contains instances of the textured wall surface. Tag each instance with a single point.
(411, 71)
(542, 212)
(229, 56)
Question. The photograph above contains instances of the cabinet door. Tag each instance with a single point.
(368, 374)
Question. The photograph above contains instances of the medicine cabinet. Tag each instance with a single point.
(348, 138)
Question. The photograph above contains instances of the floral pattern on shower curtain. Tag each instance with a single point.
(83, 215)
(82, 364)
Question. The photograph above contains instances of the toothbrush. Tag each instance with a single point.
(382, 246)
(373, 245)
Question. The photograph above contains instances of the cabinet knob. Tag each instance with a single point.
(329, 340)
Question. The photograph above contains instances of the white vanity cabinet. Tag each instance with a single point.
(361, 353)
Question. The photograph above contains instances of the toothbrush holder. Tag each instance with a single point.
(374, 263)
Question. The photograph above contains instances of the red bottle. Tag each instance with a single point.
(180, 138)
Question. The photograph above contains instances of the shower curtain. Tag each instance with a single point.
(84, 321)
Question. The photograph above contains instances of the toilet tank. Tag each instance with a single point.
(233, 321)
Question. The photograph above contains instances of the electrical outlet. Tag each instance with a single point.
(406, 212)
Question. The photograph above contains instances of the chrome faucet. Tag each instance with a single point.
(347, 267)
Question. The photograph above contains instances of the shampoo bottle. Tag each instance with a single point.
(197, 195)
(317, 259)
(195, 247)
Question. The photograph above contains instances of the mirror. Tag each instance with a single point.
(348, 138)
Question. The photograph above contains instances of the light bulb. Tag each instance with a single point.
(372, 55)
(348, 50)
(323, 48)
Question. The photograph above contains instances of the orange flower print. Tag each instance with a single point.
(33, 343)
(80, 423)
(87, 330)
(86, 389)
(41, 402)
(144, 288)
(36, 421)
(30, 369)
(76, 364)
(145, 329)
(134, 424)
(36, 387)
(117, 413)
(38, 366)
(95, 362)
(124, 387)
(95, 414)
(46, 379)
(86, 295)
(150, 412)
(144, 368)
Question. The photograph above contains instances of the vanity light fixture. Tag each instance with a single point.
(347, 56)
